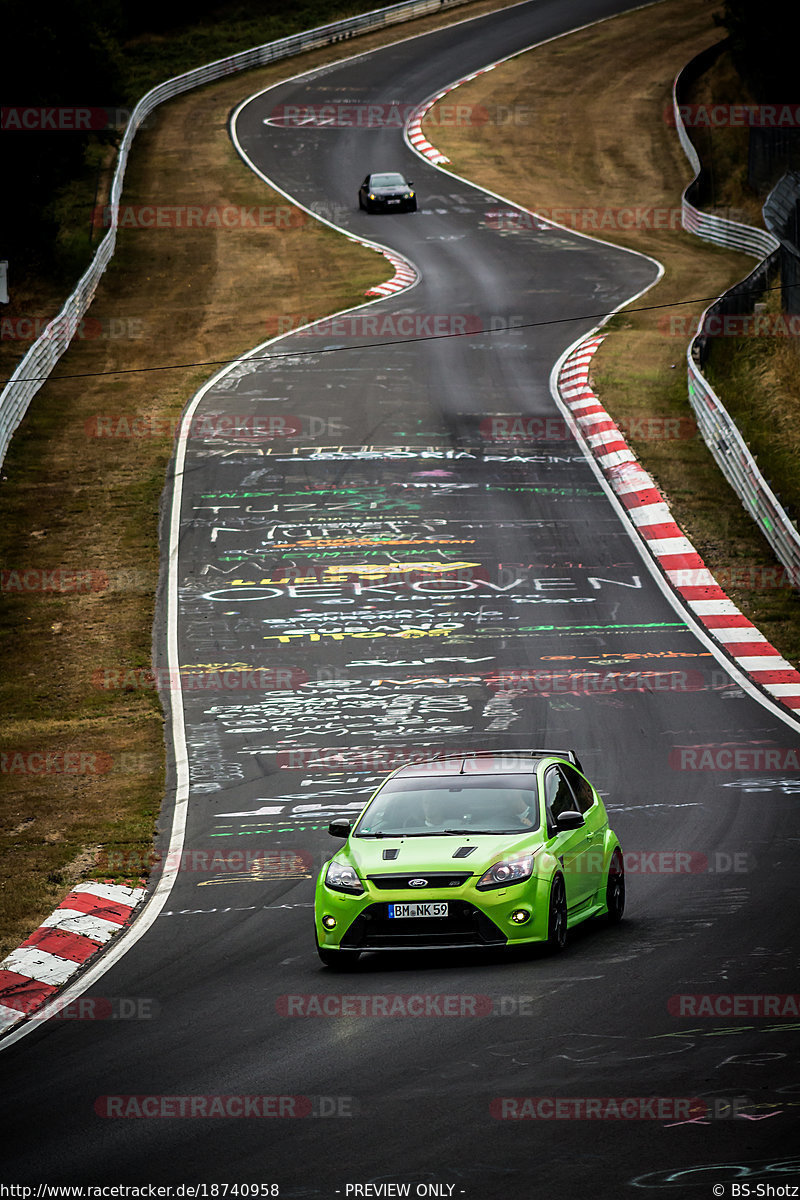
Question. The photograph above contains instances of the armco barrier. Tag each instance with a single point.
(720, 230)
(781, 218)
(740, 469)
(38, 363)
(718, 428)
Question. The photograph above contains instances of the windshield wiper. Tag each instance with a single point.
(490, 832)
(444, 832)
(425, 833)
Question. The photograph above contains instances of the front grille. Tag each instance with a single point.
(466, 926)
(398, 881)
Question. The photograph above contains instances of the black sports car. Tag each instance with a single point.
(386, 192)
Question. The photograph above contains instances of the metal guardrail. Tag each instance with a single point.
(737, 464)
(34, 369)
(748, 239)
(782, 217)
(716, 425)
(780, 209)
(721, 230)
(740, 300)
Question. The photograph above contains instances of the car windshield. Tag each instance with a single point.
(391, 180)
(452, 805)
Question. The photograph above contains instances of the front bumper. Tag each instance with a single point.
(391, 203)
(475, 920)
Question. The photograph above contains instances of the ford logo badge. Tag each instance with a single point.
(417, 883)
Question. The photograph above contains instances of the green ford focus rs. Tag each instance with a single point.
(471, 850)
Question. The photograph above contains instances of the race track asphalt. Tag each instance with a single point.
(368, 584)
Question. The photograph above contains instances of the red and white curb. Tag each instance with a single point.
(414, 134)
(674, 553)
(417, 138)
(84, 922)
(404, 274)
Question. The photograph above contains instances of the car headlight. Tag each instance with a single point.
(372, 195)
(411, 195)
(340, 877)
(510, 870)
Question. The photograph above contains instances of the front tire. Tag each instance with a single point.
(615, 889)
(557, 917)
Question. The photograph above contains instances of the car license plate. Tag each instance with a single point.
(418, 910)
(393, 201)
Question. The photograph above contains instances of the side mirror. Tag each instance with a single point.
(569, 820)
(340, 829)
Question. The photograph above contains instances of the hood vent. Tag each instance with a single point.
(391, 852)
(463, 851)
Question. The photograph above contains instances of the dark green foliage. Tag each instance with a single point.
(62, 54)
(104, 54)
(764, 46)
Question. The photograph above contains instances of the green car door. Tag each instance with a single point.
(579, 850)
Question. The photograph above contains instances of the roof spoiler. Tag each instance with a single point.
(569, 755)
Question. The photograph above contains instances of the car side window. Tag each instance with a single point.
(584, 795)
(558, 796)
